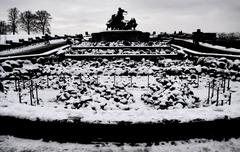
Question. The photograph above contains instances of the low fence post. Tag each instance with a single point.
(15, 83)
(30, 93)
(213, 83)
(217, 96)
(36, 87)
(230, 96)
(20, 97)
(208, 99)
(23, 83)
(32, 89)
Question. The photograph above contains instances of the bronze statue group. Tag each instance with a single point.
(117, 21)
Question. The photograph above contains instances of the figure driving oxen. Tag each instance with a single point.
(117, 21)
(120, 14)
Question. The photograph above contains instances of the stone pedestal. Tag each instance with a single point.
(127, 35)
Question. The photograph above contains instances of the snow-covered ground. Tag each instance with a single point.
(13, 144)
(110, 91)
(121, 43)
(47, 113)
(99, 88)
(105, 103)
(122, 51)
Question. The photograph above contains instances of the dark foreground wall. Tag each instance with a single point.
(120, 35)
(77, 131)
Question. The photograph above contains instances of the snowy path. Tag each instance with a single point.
(144, 113)
(111, 116)
(13, 144)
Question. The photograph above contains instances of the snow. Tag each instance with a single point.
(84, 48)
(10, 143)
(118, 43)
(60, 104)
(51, 107)
(8, 108)
(58, 101)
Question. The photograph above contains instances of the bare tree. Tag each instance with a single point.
(13, 15)
(3, 27)
(28, 21)
(43, 21)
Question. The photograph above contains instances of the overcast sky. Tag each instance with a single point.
(78, 16)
